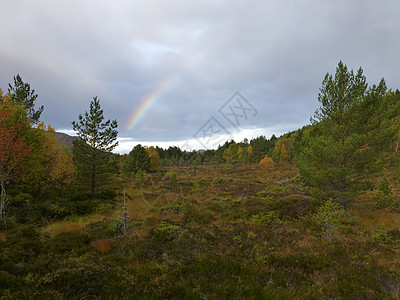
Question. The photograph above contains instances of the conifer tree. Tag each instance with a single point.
(96, 140)
(22, 94)
(138, 159)
(337, 155)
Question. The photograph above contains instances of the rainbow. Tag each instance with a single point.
(148, 101)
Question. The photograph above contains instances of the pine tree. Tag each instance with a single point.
(96, 140)
(22, 94)
(336, 155)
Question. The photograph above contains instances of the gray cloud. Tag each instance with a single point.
(192, 56)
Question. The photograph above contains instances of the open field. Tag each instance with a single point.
(217, 232)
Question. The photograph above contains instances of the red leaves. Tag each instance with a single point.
(12, 148)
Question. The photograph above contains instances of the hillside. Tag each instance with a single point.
(65, 140)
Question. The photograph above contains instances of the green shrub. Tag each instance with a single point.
(139, 178)
(174, 179)
(21, 208)
(270, 217)
(272, 191)
(106, 195)
(112, 227)
(7, 283)
(381, 237)
(292, 206)
(66, 242)
(173, 207)
(384, 197)
(56, 209)
(329, 217)
(200, 182)
(222, 181)
(170, 232)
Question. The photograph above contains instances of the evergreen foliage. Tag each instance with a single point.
(22, 94)
(93, 148)
(137, 159)
(338, 154)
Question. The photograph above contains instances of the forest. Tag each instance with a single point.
(311, 214)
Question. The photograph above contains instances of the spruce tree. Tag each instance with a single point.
(92, 150)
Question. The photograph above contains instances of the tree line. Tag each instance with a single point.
(352, 136)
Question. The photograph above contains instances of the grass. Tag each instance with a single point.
(74, 224)
(239, 232)
(372, 219)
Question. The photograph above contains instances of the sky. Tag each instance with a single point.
(193, 73)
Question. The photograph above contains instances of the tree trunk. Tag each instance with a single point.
(3, 200)
(93, 179)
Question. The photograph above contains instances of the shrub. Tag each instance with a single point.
(170, 232)
(103, 245)
(139, 178)
(174, 180)
(329, 216)
(66, 242)
(271, 217)
(273, 191)
(173, 207)
(381, 237)
(106, 195)
(200, 182)
(384, 197)
(7, 283)
(267, 163)
(222, 181)
(21, 207)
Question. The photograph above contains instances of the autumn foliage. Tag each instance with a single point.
(13, 150)
(267, 163)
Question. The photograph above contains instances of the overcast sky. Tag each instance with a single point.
(168, 71)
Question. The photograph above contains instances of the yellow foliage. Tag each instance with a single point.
(231, 153)
(267, 163)
(249, 150)
(277, 149)
(49, 165)
(240, 152)
(154, 159)
(283, 152)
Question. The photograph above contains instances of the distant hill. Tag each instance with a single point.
(65, 140)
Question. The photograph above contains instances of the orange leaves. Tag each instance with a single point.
(267, 163)
(12, 149)
(364, 148)
(102, 246)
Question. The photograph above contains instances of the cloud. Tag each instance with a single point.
(189, 58)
